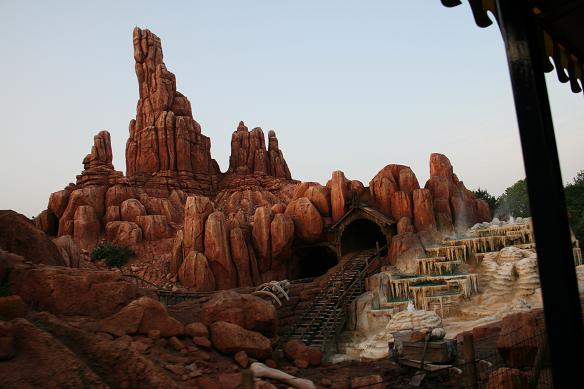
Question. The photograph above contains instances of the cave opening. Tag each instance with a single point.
(312, 262)
(362, 234)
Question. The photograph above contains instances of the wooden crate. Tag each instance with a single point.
(442, 351)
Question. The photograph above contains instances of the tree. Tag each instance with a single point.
(484, 195)
(574, 193)
(514, 201)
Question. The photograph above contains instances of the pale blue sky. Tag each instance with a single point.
(349, 85)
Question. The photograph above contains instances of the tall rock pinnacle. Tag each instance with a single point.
(166, 147)
(250, 156)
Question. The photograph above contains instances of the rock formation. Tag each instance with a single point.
(211, 230)
(166, 147)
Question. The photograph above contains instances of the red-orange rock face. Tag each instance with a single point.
(218, 252)
(98, 167)
(166, 146)
(455, 207)
(197, 209)
(423, 210)
(308, 224)
(407, 180)
(240, 253)
(261, 237)
(86, 227)
(483, 211)
(19, 235)
(381, 188)
(339, 195)
(195, 273)
(250, 156)
(401, 205)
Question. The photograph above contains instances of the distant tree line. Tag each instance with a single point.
(515, 202)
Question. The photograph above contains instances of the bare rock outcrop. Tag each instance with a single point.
(97, 165)
(140, 317)
(195, 273)
(249, 155)
(20, 236)
(218, 252)
(245, 310)
(339, 195)
(308, 224)
(166, 146)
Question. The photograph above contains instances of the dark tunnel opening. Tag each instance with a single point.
(362, 234)
(312, 262)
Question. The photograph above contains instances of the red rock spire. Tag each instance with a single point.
(166, 147)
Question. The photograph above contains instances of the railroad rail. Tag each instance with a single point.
(324, 319)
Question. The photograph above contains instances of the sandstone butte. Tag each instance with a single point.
(67, 322)
(207, 229)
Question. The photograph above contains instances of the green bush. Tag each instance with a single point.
(112, 254)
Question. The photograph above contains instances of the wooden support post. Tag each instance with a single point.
(470, 368)
(545, 187)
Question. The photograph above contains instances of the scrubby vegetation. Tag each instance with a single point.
(112, 254)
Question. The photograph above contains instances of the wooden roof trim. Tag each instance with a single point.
(568, 63)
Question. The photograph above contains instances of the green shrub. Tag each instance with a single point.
(112, 254)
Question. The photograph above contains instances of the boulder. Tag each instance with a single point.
(38, 359)
(131, 209)
(282, 236)
(302, 355)
(245, 310)
(320, 196)
(196, 329)
(58, 202)
(195, 273)
(47, 222)
(230, 339)
(404, 249)
(154, 227)
(140, 317)
(423, 210)
(407, 180)
(218, 252)
(339, 195)
(521, 335)
(308, 224)
(401, 205)
(112, 214)
(124, 233)
(177, 254)
(56, 289)
(86, 227)
(240, 256)
(69, 249)
(197, 210)
(19, 235)
(93, 195)
(263, 217)
(381, 189)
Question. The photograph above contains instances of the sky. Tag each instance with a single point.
(346, 85)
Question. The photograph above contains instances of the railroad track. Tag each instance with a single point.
(324, 319)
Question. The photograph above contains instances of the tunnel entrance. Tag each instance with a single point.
(361, 234)
(312, 261)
